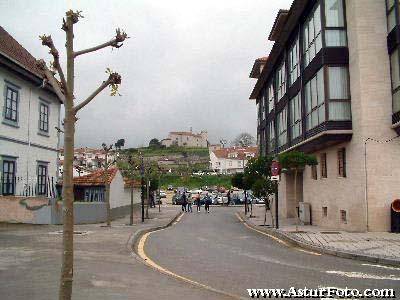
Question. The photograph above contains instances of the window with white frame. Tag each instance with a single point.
(271, 136)
(280, 81)
(315, 100)
(394, 62)
(338, 93)
(293, 62)
(11, 104)
(270, 97)
(42, 179)
(43, 117)
(282, 127)
(335, 31)
(295, 116)
(312, 36)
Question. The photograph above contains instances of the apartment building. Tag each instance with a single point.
(330, 87)
(30, 112)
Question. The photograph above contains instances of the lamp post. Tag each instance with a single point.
(142, 184)
(275, 171)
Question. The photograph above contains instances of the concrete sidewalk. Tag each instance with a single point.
(380, 247)
(104, 268)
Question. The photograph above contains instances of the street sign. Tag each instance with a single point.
(275, 168)
(275, 178)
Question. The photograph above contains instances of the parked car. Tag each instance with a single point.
(163, 194)
(177, 198)
(170, 188)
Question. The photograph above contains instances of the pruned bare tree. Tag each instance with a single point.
(64, 88)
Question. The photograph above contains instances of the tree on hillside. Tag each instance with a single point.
(155, 143)
(244, 140)
(119, 144)
(64, 87)
(295, 162)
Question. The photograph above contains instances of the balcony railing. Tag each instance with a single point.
(28, 187)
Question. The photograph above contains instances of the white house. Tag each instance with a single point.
(231, 160)
(30, 112)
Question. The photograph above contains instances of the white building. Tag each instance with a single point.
(231, 160)
(186, 139)
(29, 141)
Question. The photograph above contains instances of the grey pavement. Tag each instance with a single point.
(217, 250)
(30, 258)
(384, 245)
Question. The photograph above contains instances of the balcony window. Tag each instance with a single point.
(281, 81)
(270, 97)
(293, 64)
(8, 178)
(315, 100)
(335, 32)
(312, 37)
(295, 116)
(271, 136)
(282, 127)
(339, 94)
(42, 179)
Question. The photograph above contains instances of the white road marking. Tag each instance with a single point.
(383, 267)
(363, 275)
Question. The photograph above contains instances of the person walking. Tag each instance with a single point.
(189, 204)
(207, 204)
(198, 203)
(229, 198)
(184, 201)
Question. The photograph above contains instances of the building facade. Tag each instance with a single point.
(29, 141)
(330, 87)
(186, 139)
(231, 160)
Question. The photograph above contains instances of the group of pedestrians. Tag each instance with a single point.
(188, 201)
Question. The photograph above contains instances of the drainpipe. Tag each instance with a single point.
(366, 184)
(29, 136)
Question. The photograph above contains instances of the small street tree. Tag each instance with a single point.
(295, 162)
(155, 143)
(64, 87)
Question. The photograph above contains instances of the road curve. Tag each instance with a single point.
(218, 251)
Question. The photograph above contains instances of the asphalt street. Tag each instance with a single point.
(217, 250)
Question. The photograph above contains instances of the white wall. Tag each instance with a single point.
(120, 196)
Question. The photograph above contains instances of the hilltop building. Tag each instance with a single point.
(186, 139)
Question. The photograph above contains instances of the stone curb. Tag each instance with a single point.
(135, 237)
(322, 250)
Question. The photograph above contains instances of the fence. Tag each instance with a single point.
(29, 187)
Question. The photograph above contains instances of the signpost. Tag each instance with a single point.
(275, 172)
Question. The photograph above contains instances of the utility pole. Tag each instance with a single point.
(276, 206)
(142, 185)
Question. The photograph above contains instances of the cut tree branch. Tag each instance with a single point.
(48, 41)
(116, 42)
(52, 80)
(113, 79)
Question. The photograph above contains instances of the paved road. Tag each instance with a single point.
(216, 249)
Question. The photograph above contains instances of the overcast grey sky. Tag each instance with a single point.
(186, 63)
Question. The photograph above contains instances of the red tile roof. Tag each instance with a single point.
(13, 50)
(96, 178)
(241, 152)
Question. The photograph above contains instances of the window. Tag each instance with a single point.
(391, 14)
(271, 136)
(342, 162)
(312, 40)
(270, 97)
(324, 211)
(43, 117)
(8, 177)
(294, 70)
(42, 179)
(11, 104)
(282, 127)
(280, 81)
(394, 62)
(314, 97)
(339, 94)
(335, 32)
(295, 116)
(324, 171)
(343, 216)
(314, 173)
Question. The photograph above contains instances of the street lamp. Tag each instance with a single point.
(142, 184)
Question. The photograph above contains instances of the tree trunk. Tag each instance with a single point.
(295, 196)
(65, 289)
(131, 215)
(148, 199)
(265, 213)
(107, 194)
